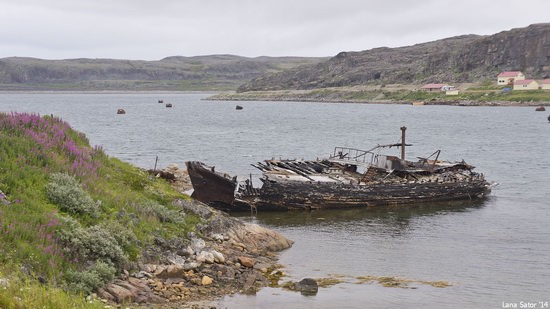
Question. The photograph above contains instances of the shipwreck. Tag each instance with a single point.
(347, 178)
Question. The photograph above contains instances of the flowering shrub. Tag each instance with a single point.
(55, 143)
(67, 193)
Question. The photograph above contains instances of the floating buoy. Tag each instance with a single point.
(121, 111)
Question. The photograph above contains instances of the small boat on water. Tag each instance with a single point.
(161, 101)
(168, 104)
(540, 109)
(347, 178)
(238, 107)
(120, 111)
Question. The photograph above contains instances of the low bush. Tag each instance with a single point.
(84, 245)
(67, 193)
(89, 280)
(163, 213)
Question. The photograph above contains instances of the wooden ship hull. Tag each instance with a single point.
(348, 178)
(283, 194)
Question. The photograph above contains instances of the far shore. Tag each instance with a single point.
(389, 102)
(289, 96)
(105, 91)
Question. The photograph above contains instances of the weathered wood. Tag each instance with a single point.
(336, 182)
(376, 187)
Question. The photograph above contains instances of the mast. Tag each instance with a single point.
(403, 129)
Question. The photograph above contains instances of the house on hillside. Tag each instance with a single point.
(526, 84)
(434, 87)
(509, 77)
(545, 84)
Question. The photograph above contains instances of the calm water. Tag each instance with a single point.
(493, 251)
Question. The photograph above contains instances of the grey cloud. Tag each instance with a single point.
(154, 29)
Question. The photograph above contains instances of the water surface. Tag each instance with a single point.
(492, 251)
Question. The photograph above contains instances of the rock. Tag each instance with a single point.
(159, 269)
(133, 290)
(191, 266)
(172, 167)
(218, 237)
(172, 271)
(205, 256)
(105, 295)
(177, 260)
(307, 286)
(155, 299)
(140, 284)
(196, 207)
(246, 261)
(143, 274)
(251, 236)
(218, 257)
(206, 280)
(262, 267)
(150, 268)
(157, 285)
(259, 238)
(249, 285)
(168, 293)
(197, 244)
(121, 295)
(187, 252)
(174, 281)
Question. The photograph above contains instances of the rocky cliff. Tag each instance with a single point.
(468, 58)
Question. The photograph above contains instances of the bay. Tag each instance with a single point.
(492, 251)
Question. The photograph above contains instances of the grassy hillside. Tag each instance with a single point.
(72, 218)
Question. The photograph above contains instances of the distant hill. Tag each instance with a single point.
(461, 59)
(214, 72)
(467, 58)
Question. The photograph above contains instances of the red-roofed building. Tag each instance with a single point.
(526, 84)
(545, 84)
(434, 87)
(509, 77)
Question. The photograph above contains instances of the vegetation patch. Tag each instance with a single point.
(71, 217)
(395, 282)
(327, 282)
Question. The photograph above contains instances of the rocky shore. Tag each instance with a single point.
(336, 97)
(223, 256)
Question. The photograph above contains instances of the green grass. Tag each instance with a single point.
(27, 293)
(134, 207)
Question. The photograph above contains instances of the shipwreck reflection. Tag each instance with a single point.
(396, 218)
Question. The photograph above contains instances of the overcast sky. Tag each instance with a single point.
(154, 29)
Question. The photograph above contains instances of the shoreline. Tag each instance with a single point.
(295, 96)
(386, 102)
